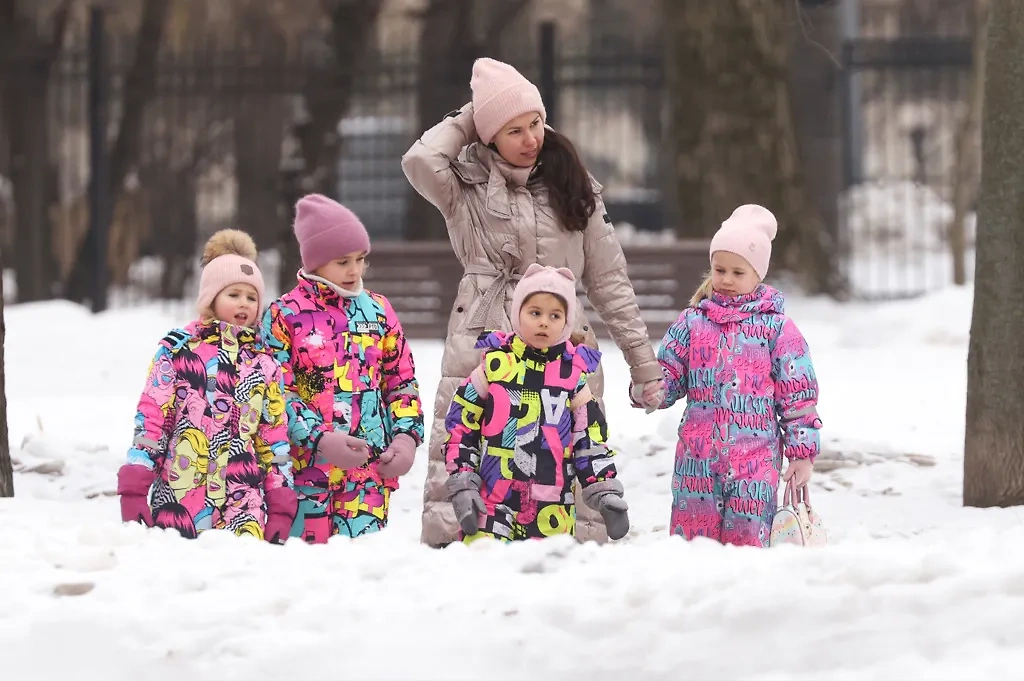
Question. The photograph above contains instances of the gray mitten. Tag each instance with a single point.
(464, 495)
(605, 497)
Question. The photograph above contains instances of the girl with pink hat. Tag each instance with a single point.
(515, 193)
(751, 392)
(353, 401)
(211, 441)
(525, 425)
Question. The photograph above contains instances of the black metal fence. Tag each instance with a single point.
(216, 135)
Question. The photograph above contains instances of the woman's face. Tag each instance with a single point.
(521, 140)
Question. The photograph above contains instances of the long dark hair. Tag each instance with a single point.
(570, 192)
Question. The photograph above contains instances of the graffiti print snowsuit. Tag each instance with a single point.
(346, 367)
(746, 373)
(210, 424)
(528, 438)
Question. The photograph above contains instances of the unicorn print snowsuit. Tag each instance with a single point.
(346, 366)
(529, 437)
(211, 426)
(746, 373)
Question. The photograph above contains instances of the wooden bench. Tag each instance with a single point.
(421, 280)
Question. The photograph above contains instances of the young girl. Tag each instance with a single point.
(525, 423)
(750, 387)
(352, 398)
(210, 433)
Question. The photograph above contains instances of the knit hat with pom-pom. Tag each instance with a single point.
(748, 233)
(229, 257)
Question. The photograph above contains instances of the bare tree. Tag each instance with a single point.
(965, 171)
(733, 133)
(994, 437)
(30, 48)
(6, 470)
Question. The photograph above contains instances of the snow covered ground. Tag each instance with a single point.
(913, 585)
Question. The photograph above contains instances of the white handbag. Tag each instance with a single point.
(796, 522)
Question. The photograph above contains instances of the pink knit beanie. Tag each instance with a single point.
(229, 257)
(748, 233)
(500, 93)
(541, 279)
(327, 230)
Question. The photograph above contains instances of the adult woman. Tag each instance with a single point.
(514, 193)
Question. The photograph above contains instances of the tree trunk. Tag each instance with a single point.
(327, 98)
(732, 127)
(139, 87)
(6, 469)
(964, 186)
(994, 437)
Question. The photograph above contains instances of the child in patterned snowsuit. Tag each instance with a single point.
(354, 415)
(211, 438)
(746, 373)
(525, 423)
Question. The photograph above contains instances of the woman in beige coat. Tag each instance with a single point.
(514, 193)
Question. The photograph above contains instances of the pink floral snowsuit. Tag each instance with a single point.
(746, 373)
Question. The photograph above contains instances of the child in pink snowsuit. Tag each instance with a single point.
(751, 393)
(211, 438)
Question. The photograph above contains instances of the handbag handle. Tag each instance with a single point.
(793, 496)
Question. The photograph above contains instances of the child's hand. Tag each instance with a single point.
(799, 471)
(605, 497)
(397, 459)
(342, 450)
(464, 495)
(133, 483)
(649, 395)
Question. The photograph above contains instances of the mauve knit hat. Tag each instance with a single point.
(500, 93)
(327, 230)
(748, 233)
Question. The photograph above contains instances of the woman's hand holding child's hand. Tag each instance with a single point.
(649, 395)
(342, 450)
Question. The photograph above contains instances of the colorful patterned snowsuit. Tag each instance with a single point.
(529, 437)
(211, 424)
(346, 367)
(746, 373)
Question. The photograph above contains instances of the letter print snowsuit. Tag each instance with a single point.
(751, 395)
(346, 366)
(536, 429)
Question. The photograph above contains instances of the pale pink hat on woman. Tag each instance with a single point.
(748, 233)
(541, 279)
(229, 257)
(327, 230)
(500, 93)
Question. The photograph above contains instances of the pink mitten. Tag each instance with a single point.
(799, 470)
(397, 459)
(133, 483)
(282, 505)
(649, 395)
(342, 450)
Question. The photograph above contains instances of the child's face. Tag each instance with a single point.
(542, 320)
(345, 272)
(732, 275)
(237, 304)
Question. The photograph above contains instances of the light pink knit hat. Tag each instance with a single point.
(500, 93)
(229, 257)
(327, 230)
(748, 233)
(541, 279)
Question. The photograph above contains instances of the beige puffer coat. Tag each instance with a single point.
(499, 224)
